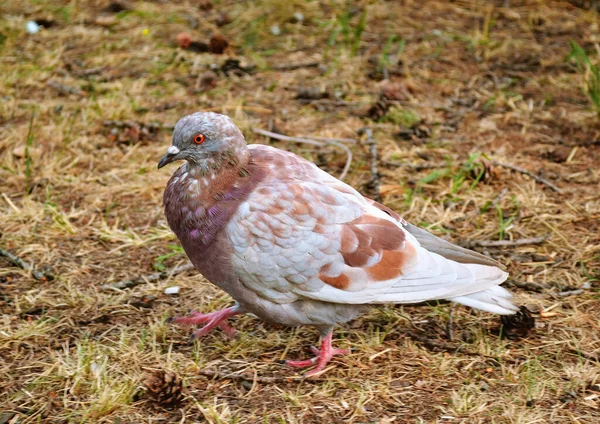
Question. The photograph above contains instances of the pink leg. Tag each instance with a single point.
(322, 356)
(210, 321)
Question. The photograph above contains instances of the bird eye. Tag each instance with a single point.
(199, 138)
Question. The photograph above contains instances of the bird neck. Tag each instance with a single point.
(219, 163)
(206, 179)
(200, 200)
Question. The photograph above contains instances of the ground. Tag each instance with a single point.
(454, 94)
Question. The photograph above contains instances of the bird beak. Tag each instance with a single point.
(169, 157)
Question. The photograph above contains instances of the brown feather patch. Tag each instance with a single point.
(341, 282)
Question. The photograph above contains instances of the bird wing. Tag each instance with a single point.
(440, 246)
(304, 234)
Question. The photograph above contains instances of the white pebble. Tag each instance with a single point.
(275, 30)
(32, 27)
(172, 290)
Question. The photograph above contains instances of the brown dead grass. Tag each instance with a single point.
(478, 78)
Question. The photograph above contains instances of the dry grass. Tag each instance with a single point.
(85, 201)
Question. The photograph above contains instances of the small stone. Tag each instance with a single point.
(172, 290)
(22, 152)
(298, 17)
(533, 308)
(275, 30)
(32, 27)
(184, 40)
(106, 20)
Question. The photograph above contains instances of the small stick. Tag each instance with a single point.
(535, 287)
(450, 348)
(507, 243)
(375, 181)
(10, 203)
(65, 89)
(529, 173)
(590, 356)
(251, 377)
(416, 167)
(38, 275)
(341, 140)
(294, 66)
(310, 141)
(133, 124)
(125, 284)
(254, 109)
(570, 293)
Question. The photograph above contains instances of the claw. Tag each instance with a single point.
(210, 321)
(322, 356)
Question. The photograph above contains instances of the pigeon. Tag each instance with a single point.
(293, 245)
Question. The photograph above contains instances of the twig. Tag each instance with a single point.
(341, 140)
(590, 356)
(10, 203)
(535, 287)
(90, 71)
(450, 348)
(505, 243)
(152, 126)
(568, 293)
(294, 66)
(417, 166)
(66, 89)
(125, 284)
(375, 181)
(331, 102)
(254, 109)
(216, 374)
(313, 142)
(529, 173)
(38, 275)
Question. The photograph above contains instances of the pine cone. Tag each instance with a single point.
(519, 325)
(378, 109)
(164, 388)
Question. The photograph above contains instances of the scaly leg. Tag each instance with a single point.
(210, 321)
(322, 356)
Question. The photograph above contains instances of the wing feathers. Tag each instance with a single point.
(495, 299)
(305, 234)
(449, 250)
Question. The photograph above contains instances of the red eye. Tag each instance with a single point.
(199, 138)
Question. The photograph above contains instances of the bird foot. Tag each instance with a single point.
(322, 356)
(211, 320)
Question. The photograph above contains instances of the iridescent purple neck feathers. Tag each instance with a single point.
(200, 201)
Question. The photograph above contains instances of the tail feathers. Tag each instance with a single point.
(495, 299)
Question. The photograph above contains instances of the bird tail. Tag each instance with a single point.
(493, 299)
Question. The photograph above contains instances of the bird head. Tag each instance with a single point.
(204, 139)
